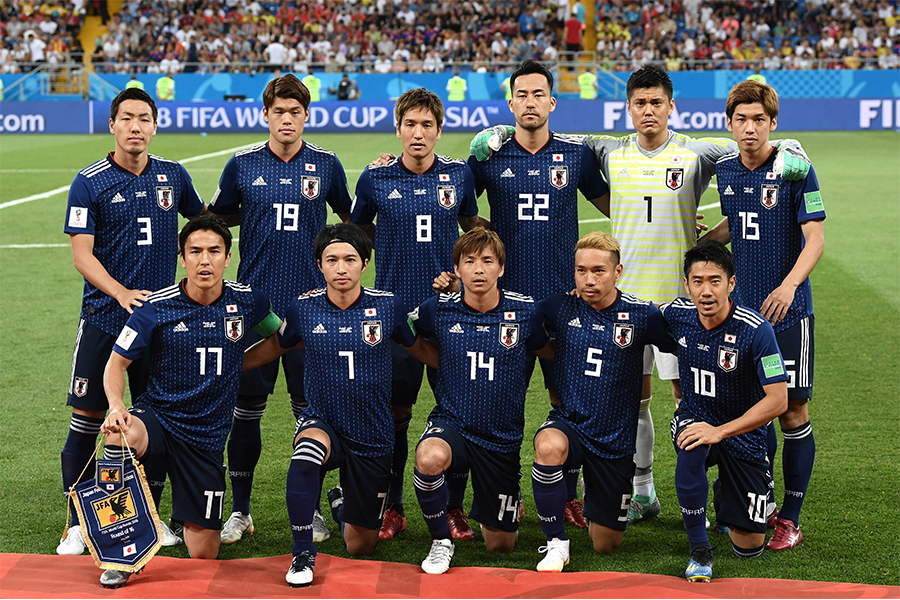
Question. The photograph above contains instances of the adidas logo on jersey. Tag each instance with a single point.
(576, 322)
(507, 173)
(259, 181)
(682, 342)
(394, 195)
(320, 329)
(117, 198)
(728, 191)
(456, 329)
(180, 327)
(623, 172)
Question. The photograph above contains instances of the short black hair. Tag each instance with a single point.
(343, 232)
(709, 251)
(530, 67)
(205, 223)
(131, 94)
(650, 75)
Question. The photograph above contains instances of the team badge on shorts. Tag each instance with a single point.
(447, 195)
(674, 178)
(234, 328)
(309, 187)
(165, 197)
(80, 387)
(509, 334)
(559, 177)
(769, 197)
(727, 358)
(623, 334)
(372, 332)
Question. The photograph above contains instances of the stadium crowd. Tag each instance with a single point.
(427, 35)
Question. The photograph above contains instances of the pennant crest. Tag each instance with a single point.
(727, 358)
(559, 177)
(769, 197)
(509, 334)
(623, 334)
(234, 328)
(110, 475)
(674, 178)
(372, 332)
(310, 186)
(447, 195)
(165, 197)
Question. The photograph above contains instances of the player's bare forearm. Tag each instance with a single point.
(233, 220)
(344, 217)
(772, 405)
(776, 305)
(114, 386)
(425, 351)
(263, 352)
(602, 204)
(548, 352)
(92, 270)
(470, 223)
(718, 233)
(446, 283)
(369, 230)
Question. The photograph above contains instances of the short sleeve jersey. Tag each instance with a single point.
(534, 209)
(764, 216)
(723, 369)
(599, 367)
(195, 352)
(417, 221)
(348, 363)
(481, 367)
(282, 206)
(134, 221)
(653, 205)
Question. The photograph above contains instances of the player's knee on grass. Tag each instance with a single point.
(360, 541)
(201, 542)
(497, 541)
(746, 542)
(551, 447)
(433, 456)
(606, 540)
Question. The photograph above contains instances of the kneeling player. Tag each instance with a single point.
(730, 354)
(192, 334)
(483, 335)
(600, 339)
(346, 330)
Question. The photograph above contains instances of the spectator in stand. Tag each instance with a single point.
(574, 30)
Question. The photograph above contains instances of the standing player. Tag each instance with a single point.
(421, 199)
(532, 186)
(122, 218)
(279, 193)
(477, 424)
(738, 384)
(776, 232)
(657, 177)
(600, 338)
(192, 335)
(346, 330)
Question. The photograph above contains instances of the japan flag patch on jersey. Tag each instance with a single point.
(446, 195)
(234, 328)
(509, 315)
(509, 334)
(310, 167)
(623, 335)
(309, 187)
(165, 197)
(372, 332)
(557, 158)
(769, 197)
(161, 178)
(727, 358)
(559, 177)
(730, 338)
(370, 312)
(443, 177)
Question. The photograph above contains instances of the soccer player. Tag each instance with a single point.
(482, 336)
(346, 330)
(600, 338)
(657, 177)
(776, 232)
(193, 337)
(279, 193)
(421, 200)
(532, 185)
(122, 218)
(729, 355)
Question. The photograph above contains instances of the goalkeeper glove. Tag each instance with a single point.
(791, 161)
(488, 141)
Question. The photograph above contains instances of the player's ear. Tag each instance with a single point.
(111, 126)
(181, 260)
(552, 103)
(456, 271)
(265, 114)
(440, 129)
(227, 260)
(728, 123)
(619, 269)
(687, 288)
(671, 106)
(365, 265)
(319, 264)
(774, 124)
(731, 283)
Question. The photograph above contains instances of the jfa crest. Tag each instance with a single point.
(559, 177)
(165, 197)
(309, 187)
(509, 334)
(234, 328)
(447, 195)
(114, 508)
(80, 387)
(623, 334)
(109, 476)
(674, 178)
(727, 358)
(372, 332)
(769, 197)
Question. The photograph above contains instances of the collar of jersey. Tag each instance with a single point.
(770, 160)
(723, 323)
(433, 166)
(291, 159)
(120, 168)
(359, 298)
(198, 303)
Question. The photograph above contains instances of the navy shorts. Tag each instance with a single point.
(197, 476)
(607, 481)
(798, 351)
(92, 349)
(406, 376)
(365, 480)
(261, 381)
(547, 368)
(741, 494)
(495, 476)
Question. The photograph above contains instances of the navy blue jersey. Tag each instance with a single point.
(599, 366)
(417, 221)
(282, 206)
(534, 209)
(134, 221)
(723, 369)
(348, 363)
(481, 371)
(195, 352)
(764, 215)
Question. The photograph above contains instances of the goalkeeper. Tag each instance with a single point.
(656, 178)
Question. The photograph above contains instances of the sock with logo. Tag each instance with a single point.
(549, 488)
(797, 458)
(432, 494)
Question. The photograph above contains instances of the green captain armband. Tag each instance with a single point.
(268, 325)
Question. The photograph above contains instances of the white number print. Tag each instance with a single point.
(508, 504)
(749, 225)
(593, 358)
(626, 504)
(210, 498)
(203, 352)
(704, 382)
(349, 355)
(148, 233)
(423, 228)
(477, 361)
(286, 216)
(534, 203)
(791, 373)
(757, 507)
